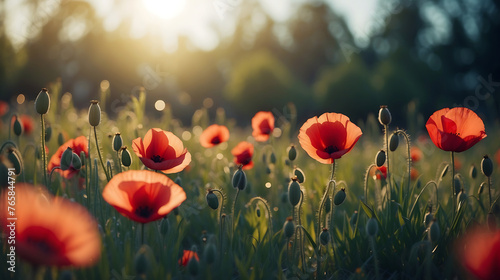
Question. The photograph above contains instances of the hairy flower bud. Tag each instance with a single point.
(301, 178)
(487, 166)
(289, 227)
(372, 227)
(394, 142)
(66, 159)
(292, 152)
(384, 116)
(212, 200)
(48, 133)
(42, 102)
(18, 127)
(239, 179)
(126, 157)
(324, 237)
(76, 162)
(380, 158)
(339, 197)
(117, 142)
(294, 193)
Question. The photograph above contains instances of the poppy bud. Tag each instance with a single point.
(48, 133)
(473, 172)
(294, 192)
(394, 142)
(339, 197)
(212, 200)
(434, 231)
(94, 113)
(324, 237)
(481, 188)
(492, 221)
(164, 226)
(239, 179)
(42, 102)
(76, 162)
(18, 128)
(257, 211)
(117, 142)
(141, 262)
(372, 227)
(60, 139)
(328, 205)
(289, 227)
(268, 170)
(301, 178)
(272, 158)
(127, 158)
(354, 219)
(462, 197)
(292, 153)
(487, 166)
(380, 158)
(428, 219)
(14, 156)
(210, 253)
(384, 116)
(66, 159)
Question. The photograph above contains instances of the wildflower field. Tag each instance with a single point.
(87, 195)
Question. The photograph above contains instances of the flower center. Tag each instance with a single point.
(42, 245)
(216, 140)
(331, 149)
(144, 211)
(157, 158)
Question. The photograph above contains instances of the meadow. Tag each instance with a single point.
(289, 203)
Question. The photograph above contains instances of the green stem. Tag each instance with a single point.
(50, 177)
(408, 145)
(99, 153)
(232, 211)
(142, 234)
(453, 182)
(119, 163)
(302, 252)
(325, 195)
(375, 258)
(489, 190)
(268, 209)
(221, 208)
(387, 150)
(43, 152)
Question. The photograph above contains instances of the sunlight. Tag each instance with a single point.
(165, 9)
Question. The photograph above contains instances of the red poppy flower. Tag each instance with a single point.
(415, 154)
(262, 125)
(214, 135)
(243, 153)
(456, 129)
(51, 231)
(380, 172)
(78, 145)
(162, 150)
(328, 137)
(479, 251)
(414, 173)
(4, 108)
(142, 195)
(187, 255)
(497, 157)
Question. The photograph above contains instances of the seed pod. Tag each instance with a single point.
(473, 172)
(380, 158)
(94, 113)
(239, 179)
(42, 102)
(292, 153)
(393, 142)
(164, 226)
(60, 139)
(328, 205)
(487, 166)
(257, 211)
(76, 163)
(294, 192)
(212, 200)
(66, 159)
(48, 133)
(481, 188)
(14, 156)
(492, 221)
(434, 231)
(289, 228)
(354, 219)
(210, 253)
(18, 128)
(117, 142)
(339, 197)
(127, 158)
(384, 116)
(428, 219)
(372, 227)
(272, 158)
(301, 178)
(324, 237)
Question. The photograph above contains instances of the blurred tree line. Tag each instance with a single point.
(419, 56)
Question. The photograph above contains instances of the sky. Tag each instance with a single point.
(171, 18)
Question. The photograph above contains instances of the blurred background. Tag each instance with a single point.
(347, 56)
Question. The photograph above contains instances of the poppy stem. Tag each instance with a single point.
(142, 234)
(366, 181)
(221, 208)
(408, 146)
(99, 153)
(453, 181)
(43, 152)
(270, 229)
(322, 205)
(489, 189)
(302, 253)
(387, 150)
(232, 211)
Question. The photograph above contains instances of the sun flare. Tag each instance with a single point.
(165, 9)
